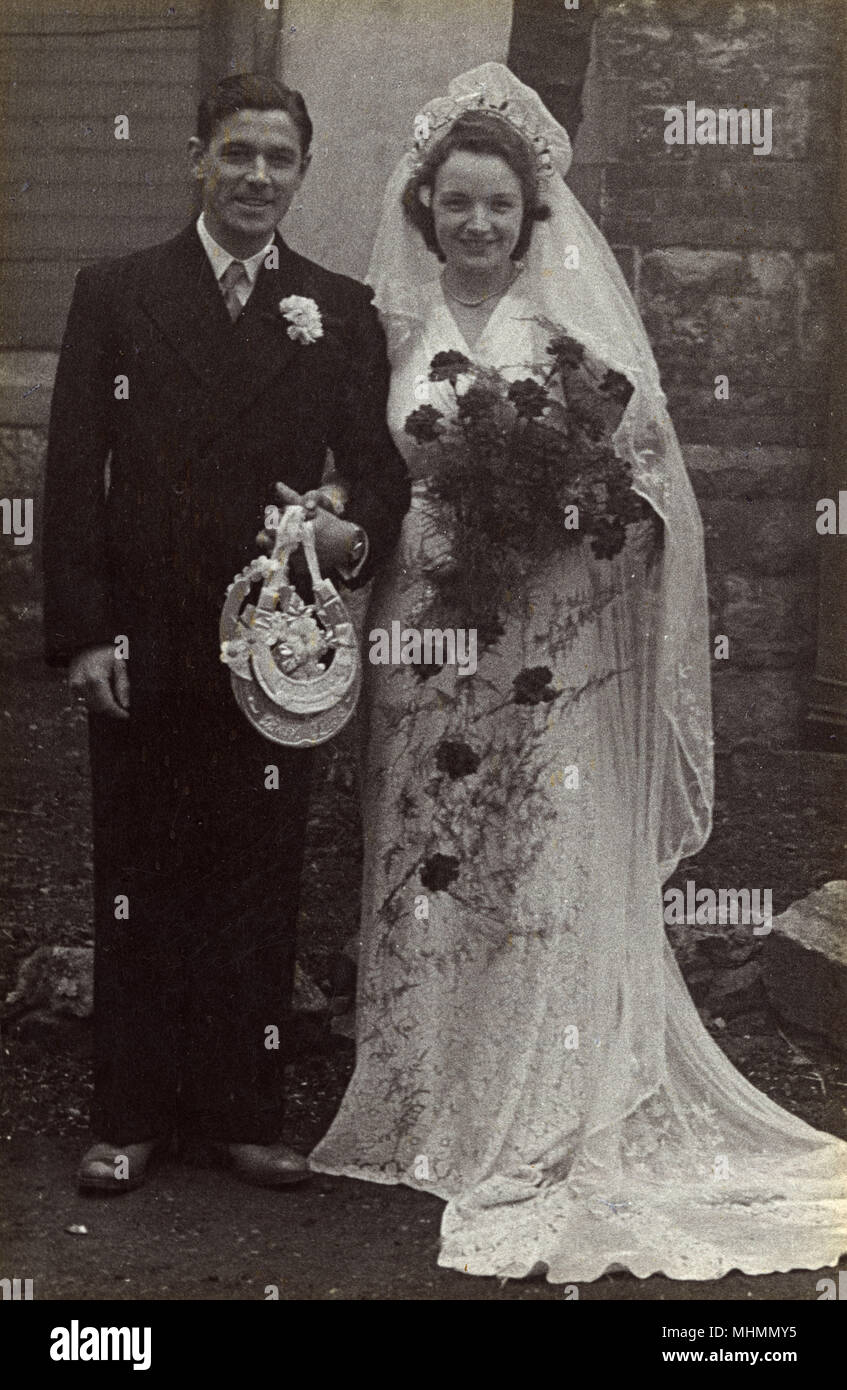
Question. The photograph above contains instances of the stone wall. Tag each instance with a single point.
(730, 256)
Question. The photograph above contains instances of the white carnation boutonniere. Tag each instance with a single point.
(305, 324)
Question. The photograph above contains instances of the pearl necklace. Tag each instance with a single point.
(475, 303)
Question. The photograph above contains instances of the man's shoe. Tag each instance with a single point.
(268, 1165)
(114, 1167)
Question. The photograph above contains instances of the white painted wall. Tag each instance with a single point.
(365, 68)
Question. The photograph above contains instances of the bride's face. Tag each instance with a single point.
(477, 210)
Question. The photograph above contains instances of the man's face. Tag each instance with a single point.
(251, 169)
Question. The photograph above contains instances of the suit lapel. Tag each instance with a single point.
(232, 362)
(187, 307)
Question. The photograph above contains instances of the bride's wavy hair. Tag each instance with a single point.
(476, 132)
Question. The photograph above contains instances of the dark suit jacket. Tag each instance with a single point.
(217, 413)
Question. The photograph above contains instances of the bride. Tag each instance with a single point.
(526, 1047)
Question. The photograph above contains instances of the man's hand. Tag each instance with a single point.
(334, 538)
(97, 676)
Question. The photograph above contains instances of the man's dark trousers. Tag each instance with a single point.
(196, 844)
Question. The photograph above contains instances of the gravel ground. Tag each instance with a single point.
(193, 1233)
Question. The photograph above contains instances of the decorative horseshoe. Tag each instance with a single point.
(295, 668)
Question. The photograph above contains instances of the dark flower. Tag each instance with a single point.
(448, 366)
(617, 387)
(593, 426)
(532, 686)
(607, 538)
(475, 403)
(422, 424)
(456, 759)
(529, 398)
(438, 871)
(587, 409)
(567, 352)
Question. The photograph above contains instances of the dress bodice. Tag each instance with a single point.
(511, 340)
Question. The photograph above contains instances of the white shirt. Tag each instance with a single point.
(220, 261)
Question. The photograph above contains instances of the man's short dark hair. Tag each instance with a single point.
(478, 133)
(250, 91)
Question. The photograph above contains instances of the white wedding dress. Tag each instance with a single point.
(526, 1047)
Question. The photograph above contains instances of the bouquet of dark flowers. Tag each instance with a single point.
(523, 467)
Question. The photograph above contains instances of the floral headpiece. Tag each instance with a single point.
(435, 119)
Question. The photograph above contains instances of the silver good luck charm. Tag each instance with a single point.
(295, 668)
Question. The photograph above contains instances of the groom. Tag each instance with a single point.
(181, 399)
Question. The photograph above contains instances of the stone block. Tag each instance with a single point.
(781, 427)
(756, 706)
(752, 342)
(803, 120)
(765, 617)
(56, 979)
(770, 272)
(793, 120)
(682, 270)
(722, 273)
(21, 476)
(769, 473)
(694, 222)
(57, 982)
(804, 963)
(693, 395)
(769, 534)
(678, 331)
(717, 39)
(720, 50)
(22, 462)
(647, 187)
(752, 337)
(806, 119)
(627, 39)
(818, 313)
(26, 385)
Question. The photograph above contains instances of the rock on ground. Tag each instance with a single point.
(56, 983)
(804, 963)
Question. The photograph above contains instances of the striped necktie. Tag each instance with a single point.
(234, 275)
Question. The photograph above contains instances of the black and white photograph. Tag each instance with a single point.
(423, 648)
